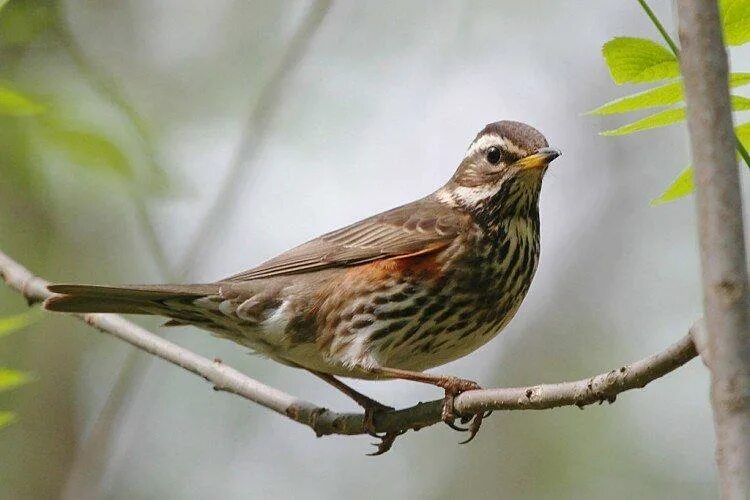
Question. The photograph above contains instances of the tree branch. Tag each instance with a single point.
(599, 388)
(726, 297)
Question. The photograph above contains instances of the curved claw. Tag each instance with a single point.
(385, 443)
(456, 427)
(474, 426)
(376, 435)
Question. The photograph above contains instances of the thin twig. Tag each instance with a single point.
(599, 388)
(676, 51)
(726, 288)
(255, 131)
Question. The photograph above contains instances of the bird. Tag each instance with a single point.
(387, 297)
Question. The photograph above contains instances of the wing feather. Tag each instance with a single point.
(419, 227)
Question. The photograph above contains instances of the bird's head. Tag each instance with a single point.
(503, 165)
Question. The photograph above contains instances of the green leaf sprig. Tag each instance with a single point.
(638, 60)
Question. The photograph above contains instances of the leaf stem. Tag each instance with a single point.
(673, 46)
(659, 26)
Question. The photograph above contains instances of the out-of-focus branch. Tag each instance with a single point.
(599, 388)
(726, 295)
(107, 87)
(254, 133)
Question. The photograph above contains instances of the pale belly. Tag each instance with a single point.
(442, 327)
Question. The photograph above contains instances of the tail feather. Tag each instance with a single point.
(128, 299)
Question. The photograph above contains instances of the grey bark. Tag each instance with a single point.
(723, 261)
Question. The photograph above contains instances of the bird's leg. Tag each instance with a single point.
(453, 386)
(370, 406)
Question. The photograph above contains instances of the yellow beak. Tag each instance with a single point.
(540, 159)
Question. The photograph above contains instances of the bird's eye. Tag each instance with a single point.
(494, 155)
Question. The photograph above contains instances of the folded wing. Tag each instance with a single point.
(416, 228)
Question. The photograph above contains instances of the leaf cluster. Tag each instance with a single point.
(639, 60)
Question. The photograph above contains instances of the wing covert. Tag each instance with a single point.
(422, 226)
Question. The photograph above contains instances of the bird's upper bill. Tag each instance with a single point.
(541, 158)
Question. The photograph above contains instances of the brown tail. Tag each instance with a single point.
(128, 299)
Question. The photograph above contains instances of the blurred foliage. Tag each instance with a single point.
(23, 20)
(88, 149)
(38, 129)
(10, 379)
(13, 103)
(638, 60)
(9, 324)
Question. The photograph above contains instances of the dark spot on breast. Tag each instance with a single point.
(411, 310)
(362, 323)
(389, 329)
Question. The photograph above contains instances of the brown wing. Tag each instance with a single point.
(423, 226)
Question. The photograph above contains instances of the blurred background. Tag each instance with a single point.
(302, 117)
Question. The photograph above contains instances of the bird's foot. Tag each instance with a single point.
(386, 439)
(453, 387)
(373, 407)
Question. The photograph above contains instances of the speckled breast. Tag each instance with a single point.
(419, 312)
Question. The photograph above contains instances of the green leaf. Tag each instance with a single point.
(660, 119)
(638, 60)
(10, 379)
(6, 418)
(742, 132)
(2, 4)
(669, 117)
(90, 150)
(10, 324)
(663, 95)
(683, 185)
(740, 103)
(14, 104)
(735, 16)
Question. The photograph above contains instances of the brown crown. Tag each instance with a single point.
(524, 136)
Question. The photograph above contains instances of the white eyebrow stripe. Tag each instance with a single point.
(483, 143)
(512, 148)
(488, 140)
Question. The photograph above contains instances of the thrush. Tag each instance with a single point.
(387, 297)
